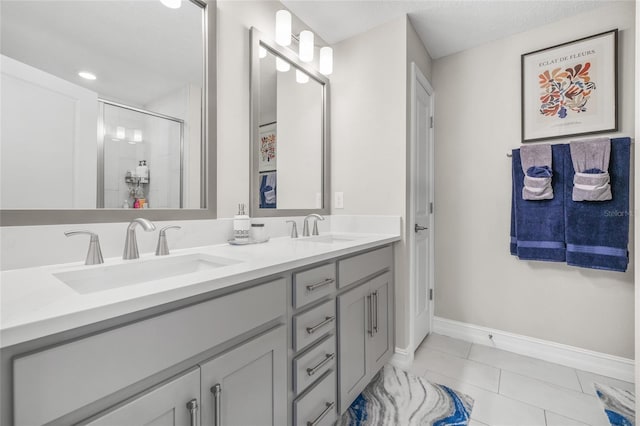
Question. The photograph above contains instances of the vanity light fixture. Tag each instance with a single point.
(172, 4)
(120, 132)
(282, 65)
(262, 52)
(326, 60)
(137, 135)
(301, 77)
(306, 46)
(283, 27)
(87, 75)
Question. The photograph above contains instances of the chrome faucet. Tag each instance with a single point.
(94, 255)
(305, 230)
(131, 244)
(162, 249)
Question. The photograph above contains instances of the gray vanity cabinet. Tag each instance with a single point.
(175, 403)
(381, 341)
(247, 386)
(365, 335)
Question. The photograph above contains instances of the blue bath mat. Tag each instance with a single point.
(619, 405)
(396, 397)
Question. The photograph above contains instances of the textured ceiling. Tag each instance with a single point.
(445, 27)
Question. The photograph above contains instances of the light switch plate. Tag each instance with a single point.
(339, 200)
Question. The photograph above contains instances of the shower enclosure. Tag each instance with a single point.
(129, 136)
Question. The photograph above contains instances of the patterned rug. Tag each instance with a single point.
(619, 405)
(396, 397)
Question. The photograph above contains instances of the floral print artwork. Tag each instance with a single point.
(565, 90)
(268, 147)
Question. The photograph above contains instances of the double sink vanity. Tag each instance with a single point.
(283, 333)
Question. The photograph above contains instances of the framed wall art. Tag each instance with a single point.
(267, 139)
(570, 89)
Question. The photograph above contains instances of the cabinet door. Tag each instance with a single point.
(247, 386)
(381, 342)
(353, 314)
(163, 406)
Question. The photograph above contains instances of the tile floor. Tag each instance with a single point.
(511, 389)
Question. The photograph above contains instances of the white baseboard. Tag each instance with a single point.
(402, 358)
(570, 356)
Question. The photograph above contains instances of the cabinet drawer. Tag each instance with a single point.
(312, 364)
(363, 265)
(91, 368)
(310, 326)
(313, 284)
(318, 406)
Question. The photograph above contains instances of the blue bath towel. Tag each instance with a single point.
(538, 226)
(597, 233)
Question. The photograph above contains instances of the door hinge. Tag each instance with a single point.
(431, 208)
(430, 294)
(431, 122)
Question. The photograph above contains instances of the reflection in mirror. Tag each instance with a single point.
(290, 168)
(130, 72)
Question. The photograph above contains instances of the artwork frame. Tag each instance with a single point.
(267, 147)
(570, 89)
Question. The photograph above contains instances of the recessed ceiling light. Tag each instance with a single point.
(87, 75)
(172, 4)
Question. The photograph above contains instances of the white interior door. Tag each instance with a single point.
(421, 243)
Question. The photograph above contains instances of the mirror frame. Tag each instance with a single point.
(258, 38)
(208, 193)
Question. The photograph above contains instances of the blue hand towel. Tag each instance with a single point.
(539, 225)
(268, 191)
(597, 234)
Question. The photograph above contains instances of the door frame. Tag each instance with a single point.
(418, 78)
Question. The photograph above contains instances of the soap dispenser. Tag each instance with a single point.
(241, 225)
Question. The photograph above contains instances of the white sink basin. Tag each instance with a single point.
(102, 278)
(328, 239)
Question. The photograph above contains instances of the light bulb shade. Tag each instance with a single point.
(326, 60)
(283, 28)
(172, 4)
(306, 46)
(120, 132)
(137, 135)
(282, 65)
(262, 52)
(301, 77)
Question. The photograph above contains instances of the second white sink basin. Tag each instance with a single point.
(103, 278)
(328, 239)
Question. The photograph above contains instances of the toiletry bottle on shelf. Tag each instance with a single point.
(241, 225)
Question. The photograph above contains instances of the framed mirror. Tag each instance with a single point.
(108, 107)
(289, 133)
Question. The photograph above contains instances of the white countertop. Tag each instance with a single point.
(34, 303)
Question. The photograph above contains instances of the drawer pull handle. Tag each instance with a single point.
(192, 406)
(327, 320)
(216, 390)
(328, 358)
(329, 407)
(314, 287)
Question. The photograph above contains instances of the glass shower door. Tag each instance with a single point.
(141, 165)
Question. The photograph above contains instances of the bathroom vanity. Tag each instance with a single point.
(287, 332)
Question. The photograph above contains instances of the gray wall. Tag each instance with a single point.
(369, 136)
(477, 121)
